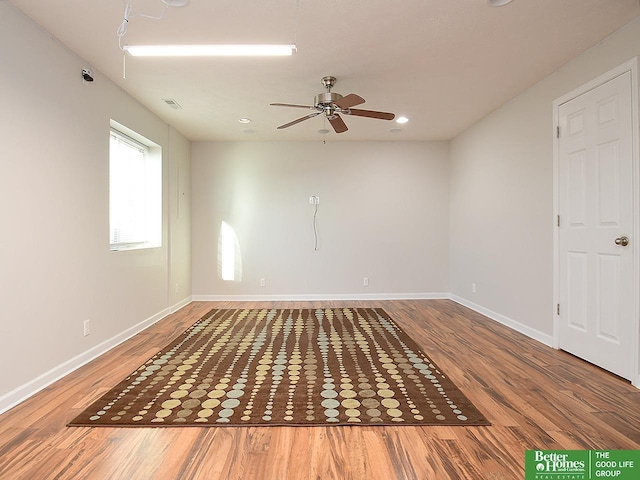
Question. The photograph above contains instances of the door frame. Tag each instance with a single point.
(629, 66)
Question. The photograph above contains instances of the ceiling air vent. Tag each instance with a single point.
(172, 103)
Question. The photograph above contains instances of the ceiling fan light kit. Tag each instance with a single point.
(498, 3)
(333, 104)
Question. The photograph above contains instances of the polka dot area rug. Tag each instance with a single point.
(267, 367)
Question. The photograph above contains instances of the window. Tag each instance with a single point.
(135, 191)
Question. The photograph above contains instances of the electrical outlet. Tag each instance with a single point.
(262, 282)
(473, 288)
(87, 327)
(365, 282)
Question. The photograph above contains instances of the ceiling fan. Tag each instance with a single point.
(332, 105)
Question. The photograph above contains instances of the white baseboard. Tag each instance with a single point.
(312, 297)
(513, 324)
(20, 394)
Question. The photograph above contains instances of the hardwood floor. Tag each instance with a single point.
(536, 398)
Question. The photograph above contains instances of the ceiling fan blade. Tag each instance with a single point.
(291, 105)
(338, 124)
(301, 119)
(371, 114)
(350, 100)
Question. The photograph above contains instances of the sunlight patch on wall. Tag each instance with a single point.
(229, 256)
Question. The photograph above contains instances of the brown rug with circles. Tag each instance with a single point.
(261, 367)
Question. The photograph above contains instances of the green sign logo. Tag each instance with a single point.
(582, 464)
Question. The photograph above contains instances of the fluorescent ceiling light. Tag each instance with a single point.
(209, 50)
(176, 3)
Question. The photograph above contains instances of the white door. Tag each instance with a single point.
(596, 212)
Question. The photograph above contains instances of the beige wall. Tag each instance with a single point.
(383, 214)
(56, 267)
(502, 219)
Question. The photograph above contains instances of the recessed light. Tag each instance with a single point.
(245, 120)
(498, 3)
(402, 120)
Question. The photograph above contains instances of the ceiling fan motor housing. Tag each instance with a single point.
(326, 98)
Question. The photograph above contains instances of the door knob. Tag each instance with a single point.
(623, 240)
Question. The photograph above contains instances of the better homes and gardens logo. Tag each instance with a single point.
(572, 463)
(582, 464)
(556, 464)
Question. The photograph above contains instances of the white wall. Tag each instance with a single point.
(56, 267)
(502, 219)
(383, 214)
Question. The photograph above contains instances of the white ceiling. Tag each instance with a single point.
(443, 63)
